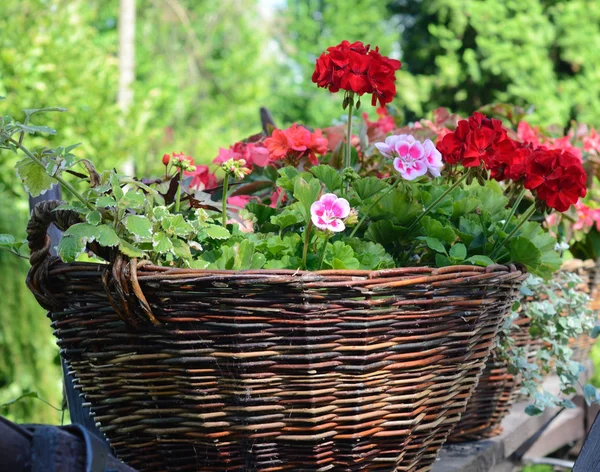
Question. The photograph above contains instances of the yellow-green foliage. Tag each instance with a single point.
(28, 352)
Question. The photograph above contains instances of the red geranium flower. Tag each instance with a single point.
(357, 68)
(556, 176)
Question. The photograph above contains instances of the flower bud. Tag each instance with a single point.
(165, 159)
(352, 218)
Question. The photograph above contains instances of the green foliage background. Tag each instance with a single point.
(203, 69)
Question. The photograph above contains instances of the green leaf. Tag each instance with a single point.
(367, 187)
(115, 185)
(106, 201)
(217, 232)
(434, 244)
(306, 193)
(458, 252)
(287, 178)
(435, 229)
(31, 129)
(129, 249)
(329, 176)
(244, 256)
(69, 247)
(523, 251)
(590, 394)
(139, 226)
(7, 240)
(132, 200)
(94, 217)
(263, 213)
(385, 233)
(107, 236)
(176, 225)
(161, 243)
(35, 179)
(290, 215)
(341, 256)
(483, 261)
(181, 249)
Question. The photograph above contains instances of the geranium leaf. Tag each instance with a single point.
(434, 243)
(93, 217)
(176, 225)
(107, 236)
(483, 261)
(132, 199)
(306, 193)
(367, 187)
(181, 249)
(458, 252)
(523, 251)
(329, 176)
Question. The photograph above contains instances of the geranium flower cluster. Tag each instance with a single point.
(359, 69)
(253, 152)
(295, 143)
(586, 217)
(555, 175)
(412, 158)
(202, 177)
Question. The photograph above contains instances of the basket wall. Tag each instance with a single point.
(496, 392)
(268, 371)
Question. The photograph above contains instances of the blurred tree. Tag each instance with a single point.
(28, 352)
(466, 53)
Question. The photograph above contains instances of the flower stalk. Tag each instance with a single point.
(225, 190)
(438, 200)
(327, 236)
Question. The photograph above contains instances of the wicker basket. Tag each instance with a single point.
(496, 392)
(589, 273)
(263, 370)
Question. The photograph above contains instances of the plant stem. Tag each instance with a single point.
(510, 215)
(60, 180)
(178, 194)
(528, 213)
(224, 197)
(327, 236)
(381, 197)
(306, 241)
(437, 201)
(348, 157)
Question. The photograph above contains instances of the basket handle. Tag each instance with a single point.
(119, 278)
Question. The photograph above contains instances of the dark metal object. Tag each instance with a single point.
(589, 457)
(79, 414)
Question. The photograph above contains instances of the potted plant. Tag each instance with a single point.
(507, 368)
(308, 309)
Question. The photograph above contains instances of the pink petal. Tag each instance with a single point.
(384, 149)
(341, 208)
(414, 170)
(327, 200)
(317, 209)
(319, 222)
(416, 150)
(402, 148)
(337, 225)
(399, 164)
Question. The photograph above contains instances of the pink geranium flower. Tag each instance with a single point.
(412, 158)
(329, 212)
(202, 178)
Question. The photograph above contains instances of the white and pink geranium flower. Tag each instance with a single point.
(412, 158)
(329, 212)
